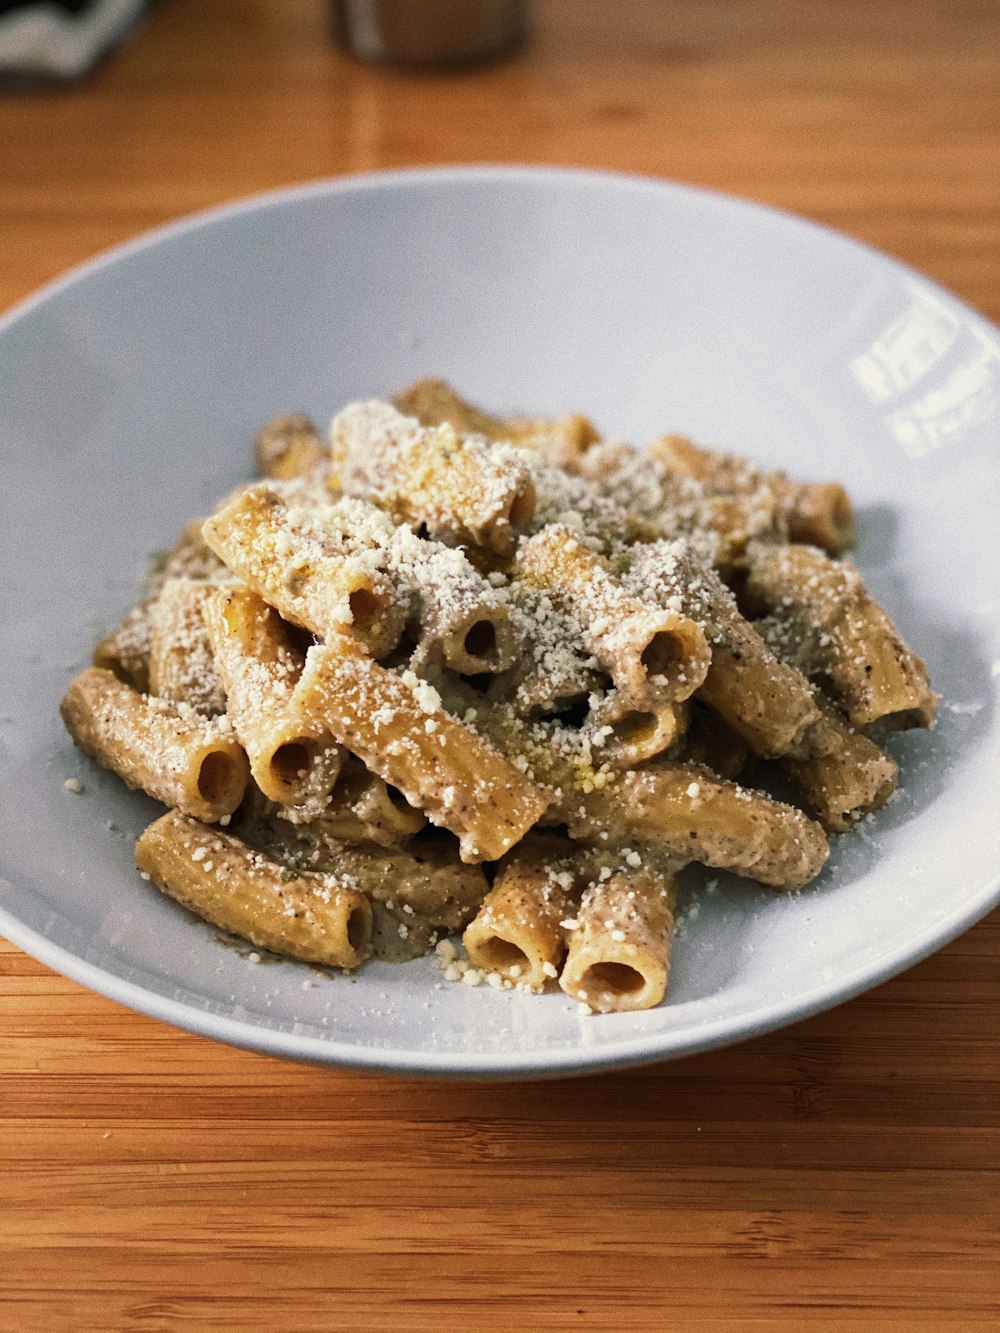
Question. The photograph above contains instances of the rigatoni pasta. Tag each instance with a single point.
(653, 654)
(850, 778)
(260, 664)
(841, 633)
(164, 748)
(619, 951)
(626, 734)
(318, 918)
(181, 661)
(303, 568)
(455, 485)
(519, 933)
(760, 697)
(455, 671)
(397, 725)
(816, 512)
(289, 447)
(560, 440)
(690, 814)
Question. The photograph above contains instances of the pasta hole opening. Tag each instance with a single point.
(522, 507)
(290, 761)
(216, 777)
(737, 582)
(359, 929)
(478, 681)
(300, 639)
(499, 955)
(364, 606)
(398, 801)
(481, 640)
(661, 653)
(570, 710)
(612, 979)
(345, 788)
(904, 719)
(635, 728)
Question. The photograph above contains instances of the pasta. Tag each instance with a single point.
(518, 932)
(288, 447)
(652, 654)
(166, 749)
(181, 663)
(259, 664)
(417, 888)
(449, 671)
(851, 778)
(626, 734)
(303, 568)
(385, 815)
(397, 726)
(561, 440)
(691, 814)
(819, 513)
(318, 918)
(761, 698)
(668, 503)
(619, 952)
(126, 650)
(454, 485)
(842, 634)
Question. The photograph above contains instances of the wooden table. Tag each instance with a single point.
(842, 1174)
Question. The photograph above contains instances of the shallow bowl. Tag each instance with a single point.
(129, 392)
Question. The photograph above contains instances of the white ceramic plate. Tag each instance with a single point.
(129, 392)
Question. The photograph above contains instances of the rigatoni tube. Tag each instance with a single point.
(850, 779)
(619, 951)
(164, 748)
(456, 486)
(693, 815)
(518, 931)
(626, 734)
(318, 918)
(847, 636)
(288, 447)
(303, 568)
(763, 699)
(651, 652)
(260, 665)
(817, 512)
(397, 726)
(181, 664)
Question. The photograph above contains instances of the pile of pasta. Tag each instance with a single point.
(452, 672)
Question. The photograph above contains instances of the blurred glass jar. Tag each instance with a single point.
(429, 32)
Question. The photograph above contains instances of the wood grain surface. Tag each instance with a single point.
(843, 1174)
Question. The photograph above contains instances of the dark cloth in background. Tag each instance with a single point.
(45, 40)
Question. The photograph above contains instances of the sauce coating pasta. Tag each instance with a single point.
(449, 671)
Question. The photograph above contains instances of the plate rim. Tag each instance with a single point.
(585, 1058)
(509, 1065)
(450, 172)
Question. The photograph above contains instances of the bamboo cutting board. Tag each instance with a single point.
(841, 1175)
